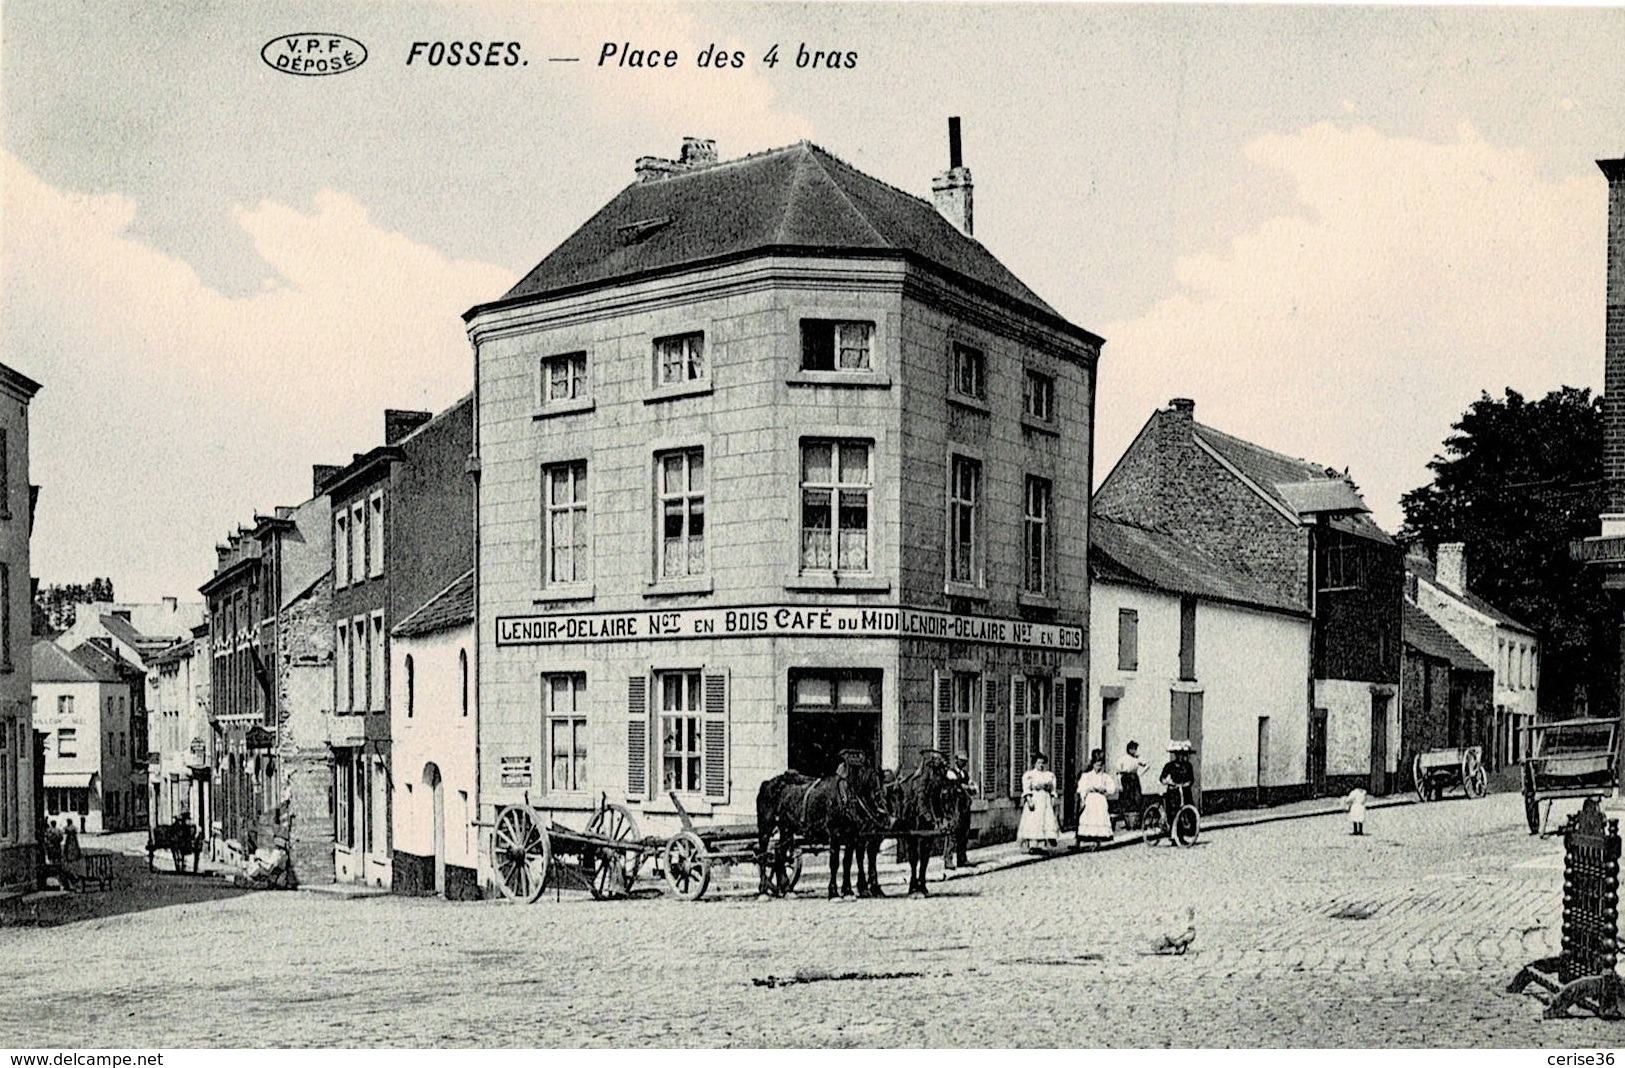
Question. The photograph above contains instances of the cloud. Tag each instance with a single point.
(172, 411)
(1355, 328)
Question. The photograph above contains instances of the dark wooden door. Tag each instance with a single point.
(1185, 724)
(1317, 753)
(1379, 744)
(1075, 718)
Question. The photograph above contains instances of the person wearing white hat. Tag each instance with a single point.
(1178, 777)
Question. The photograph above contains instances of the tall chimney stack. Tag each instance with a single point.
(1613, 398)
(951, 190)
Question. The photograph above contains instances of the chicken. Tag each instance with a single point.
(1176, 941)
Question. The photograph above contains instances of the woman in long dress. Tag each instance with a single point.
(1038, 829)
(1095, 788)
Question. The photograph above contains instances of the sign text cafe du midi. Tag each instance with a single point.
(777, 621)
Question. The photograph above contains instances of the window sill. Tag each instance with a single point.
(848, 583)
(847, 379)
(965, 591)
(1039, 426)
(581, 591)
(970, 404)
(686, 389)
(567, 407)
(693, 804)
(679, 587)
(1037, 600)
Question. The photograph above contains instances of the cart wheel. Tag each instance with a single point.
(521, 853)
(785, 885)
(793, 875)
(688, 865)
(1475, 781)
(617, 823)
(1421, 784)
(1531, 807)
(1151, 828)
(1187, 825)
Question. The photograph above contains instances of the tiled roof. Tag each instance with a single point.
(1424, 570)
(125, 632)
(1128, 552)
(798, 200)
(1271, 471)
(451, 607)
(1423, 634)
(52, 663)
(177, 651)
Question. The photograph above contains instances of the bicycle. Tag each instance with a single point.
(1187, 825)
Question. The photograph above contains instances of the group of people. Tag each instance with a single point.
(60, 846)
(1040, 827)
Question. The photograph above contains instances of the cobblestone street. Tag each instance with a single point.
(1306, 936)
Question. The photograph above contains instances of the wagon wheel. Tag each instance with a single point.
(520, 854)
(1475, 781)
(1531, 807)
(783, 885)
(1416, 777)
(688, 865)
(617, 823)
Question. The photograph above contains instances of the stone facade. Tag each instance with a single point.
(20, 770)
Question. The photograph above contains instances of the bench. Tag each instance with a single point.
(92, 872)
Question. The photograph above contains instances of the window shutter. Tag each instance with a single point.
(942, 686)
(637, 736)
(1057, 736)
(1128, 639)
(715, 734)
(1018, 732)
(990, 737)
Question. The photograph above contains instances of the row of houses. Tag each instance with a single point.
(767, 460)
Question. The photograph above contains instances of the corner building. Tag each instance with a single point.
(775, 459)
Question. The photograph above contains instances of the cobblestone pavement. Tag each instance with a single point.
(1306, 936)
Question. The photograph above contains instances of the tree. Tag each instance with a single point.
(1518, 482)
(54, 605)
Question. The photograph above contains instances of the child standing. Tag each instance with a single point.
(1355, 802)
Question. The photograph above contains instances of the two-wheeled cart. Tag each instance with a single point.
(1567, 758)
(1458, 768)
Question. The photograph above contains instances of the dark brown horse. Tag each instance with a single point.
(839, 810)
(921, 807)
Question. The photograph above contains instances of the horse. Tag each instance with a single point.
(839, 809)
(922, 807)
(178, 838)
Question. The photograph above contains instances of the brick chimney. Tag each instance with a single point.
(1451, 566)
(696, 153)
(320, 476)
(170, 604)
(1613, 398)
(1183, 407)
(951, 190)
(399, 423)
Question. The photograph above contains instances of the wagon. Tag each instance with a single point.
(1568, 758)
(1457, 768)
(530, 853)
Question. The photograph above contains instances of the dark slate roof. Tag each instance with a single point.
(179, 651)
(451, 607)
(121, 629)
(1283, 480)
(798, 200)
(1128, 552)
(1426, 636)
(1424, 570)
(52, 663)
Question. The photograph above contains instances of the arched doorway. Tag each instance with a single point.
(431, 779)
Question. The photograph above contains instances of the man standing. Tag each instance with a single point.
(959, 775)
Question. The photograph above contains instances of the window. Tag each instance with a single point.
(67, 742)
(462, 675)
(1034, 716)
(970, 372)
(5, 473)
(1128, 640)
(1038, 397)
(967, 698)
(1187, 639)
(341, 667)
(379, 691)
(564, 378)
(341, 550)
(679, 359)
(681, 758)
(375, 534)
(5, 617)
(344, 799)
(565, 698)
(64, 705)
(964, 535)
(1342, 563)
(411, 687)
(564, 515)
(836, 346)
(121, 743)
(836, 482)
(1037, 535)
(8, 788)
(682, 513)
(358, 541)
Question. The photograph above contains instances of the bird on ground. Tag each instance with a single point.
(1177, 939)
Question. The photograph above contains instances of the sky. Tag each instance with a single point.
(1331, 227)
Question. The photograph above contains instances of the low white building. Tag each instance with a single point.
(433, 720)
(1186, 648)
(1509, 647)
(82, 704)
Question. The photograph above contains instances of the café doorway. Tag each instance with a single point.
(832, 710)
